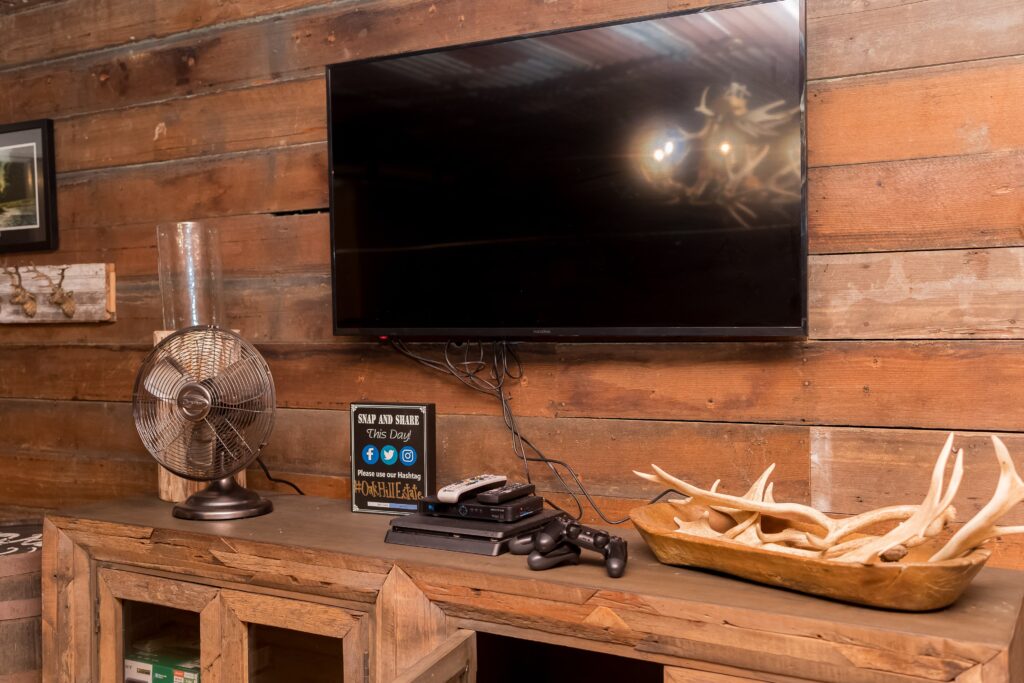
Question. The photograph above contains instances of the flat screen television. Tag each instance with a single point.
(644, 179)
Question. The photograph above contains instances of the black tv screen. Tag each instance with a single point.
(642, 179)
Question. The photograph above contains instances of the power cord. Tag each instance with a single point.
(504, 364)
(270, 477)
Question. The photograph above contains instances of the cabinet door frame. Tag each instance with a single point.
(114, 587)
(238, 609)
(454, 660)
(224, 614)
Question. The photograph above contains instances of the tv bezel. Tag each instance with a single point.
(617, 333)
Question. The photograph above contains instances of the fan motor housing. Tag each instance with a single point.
(194, 401)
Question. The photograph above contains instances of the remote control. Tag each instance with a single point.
(506, 493)
(459, 490)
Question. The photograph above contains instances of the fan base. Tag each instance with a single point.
(223, 499)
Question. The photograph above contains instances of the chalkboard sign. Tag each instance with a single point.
(392, 456)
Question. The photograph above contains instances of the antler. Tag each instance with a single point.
(791, 511)
(929, 518)
(818, 534)
(812, 533)
(981, 527)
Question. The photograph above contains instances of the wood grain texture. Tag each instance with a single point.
(965, 201)
(274, 115)
(95, 453)
(454, 660)
(661, 614)
(75, 26)
(233, 645)
(679, 675)
(944, 294)
(42, 480)
(934, 203)
(216, 655)
(605, 452)
(20, 610)
(940, 111)
(854, 470)
(68, 600)
(853, 38)
(925, 154)
(894, 384)
(12, 6)
(956, 294)
(156, 591)
(288, 179)
(966, 108)
(409, 626)
(839, 42)
(251, 244)
(110, 617)
(299, 44)
(253, 608)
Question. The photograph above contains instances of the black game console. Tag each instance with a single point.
(463, 535)
(473, 509)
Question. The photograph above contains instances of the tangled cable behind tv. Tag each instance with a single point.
(487, 367)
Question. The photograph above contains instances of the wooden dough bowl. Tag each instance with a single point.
(912, 584)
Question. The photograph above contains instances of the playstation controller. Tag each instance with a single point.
(564, 532)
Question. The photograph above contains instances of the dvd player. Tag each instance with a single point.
(473, 509)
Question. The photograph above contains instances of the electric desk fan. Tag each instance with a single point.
(204, 406)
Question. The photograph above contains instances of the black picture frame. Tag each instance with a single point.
(28, 187)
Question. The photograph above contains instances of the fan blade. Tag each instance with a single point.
(202, 448)
(239, 382)
(165, 379)
(169, 431)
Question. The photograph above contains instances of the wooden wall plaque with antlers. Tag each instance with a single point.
(77, 293)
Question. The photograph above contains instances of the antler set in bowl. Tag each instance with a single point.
(797, 546)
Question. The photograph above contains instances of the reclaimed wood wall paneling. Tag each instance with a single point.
(216, 111)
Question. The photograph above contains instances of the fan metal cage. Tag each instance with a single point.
(204, 403)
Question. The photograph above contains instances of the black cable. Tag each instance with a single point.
(270, 477)
(468, 372)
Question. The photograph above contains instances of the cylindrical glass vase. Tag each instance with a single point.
(191, 284)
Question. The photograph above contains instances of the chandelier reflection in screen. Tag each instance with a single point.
(745, 161)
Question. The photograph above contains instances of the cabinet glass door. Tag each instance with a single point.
(152, 628)
(279, 639)
(279, 654)
(222, 635)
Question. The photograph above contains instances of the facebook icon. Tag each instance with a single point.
(370, 454)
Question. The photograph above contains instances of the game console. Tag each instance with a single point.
(463, 535)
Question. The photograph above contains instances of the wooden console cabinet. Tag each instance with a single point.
(391, 613)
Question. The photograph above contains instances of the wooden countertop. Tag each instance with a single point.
(986, 613)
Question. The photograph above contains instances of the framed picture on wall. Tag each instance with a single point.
(28, 187)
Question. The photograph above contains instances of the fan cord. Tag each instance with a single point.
(270, 477)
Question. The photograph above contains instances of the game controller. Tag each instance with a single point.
(563, 554)
(562, 532)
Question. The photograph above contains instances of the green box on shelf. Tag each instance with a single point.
(169, 666)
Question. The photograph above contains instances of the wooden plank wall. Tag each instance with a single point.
(213, 110)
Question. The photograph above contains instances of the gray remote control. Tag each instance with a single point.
(459, 490)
